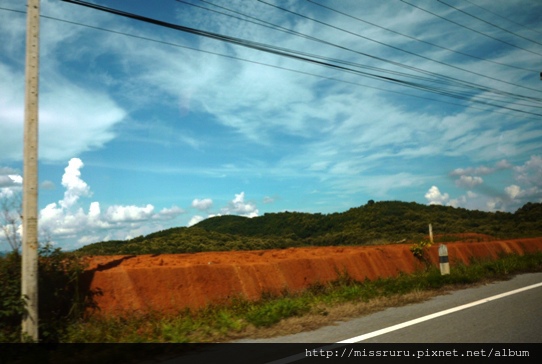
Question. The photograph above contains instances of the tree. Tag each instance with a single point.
(10, 218)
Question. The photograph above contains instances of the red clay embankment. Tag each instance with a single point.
(171, 282)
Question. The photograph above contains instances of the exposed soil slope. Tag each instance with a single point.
(169, 283)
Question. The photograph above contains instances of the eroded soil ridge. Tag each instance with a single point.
(171, 282)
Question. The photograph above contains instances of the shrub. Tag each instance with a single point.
(60, 299)
(11, 302)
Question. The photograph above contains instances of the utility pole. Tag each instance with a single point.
(29, 276)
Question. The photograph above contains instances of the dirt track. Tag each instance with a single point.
(171, 282)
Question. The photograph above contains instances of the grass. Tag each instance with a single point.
(320, 305)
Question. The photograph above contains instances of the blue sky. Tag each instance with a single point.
(144, 128)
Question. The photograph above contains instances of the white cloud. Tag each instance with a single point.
(67, 222)
(74, 117)
(9, 178)
(481, 170)
(268, 199)
(129, 213)
(6, 181)
(435, 197)
(530, 173)
(74, 185)
(169, 213)
(10, 183)
(469, 181)
(512, 191)
(195, 219)
(238, 206)
(203, 205)
(6, 192)
(527, 187)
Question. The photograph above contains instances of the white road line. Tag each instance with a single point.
(434, 315)
(356, 339)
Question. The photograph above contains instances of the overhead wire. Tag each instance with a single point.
(282, 52)
(487, 22)
(521, 97)
(421, 40)
(471, 29)
(410, 67)
(259, 47)
(258, 21)
(289, 31)
(277, 27)
(503, 17)
(387, 90)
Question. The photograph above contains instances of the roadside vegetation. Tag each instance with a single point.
(272, 315)
(61, 302)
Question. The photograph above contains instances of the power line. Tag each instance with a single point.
(284, 52)
(289, 31)
(473, 30)
(502, 17)
(276, 27)
(404, 83)
(421, 40)
(263, 64)
(433, 90)
(402, 65)
(487, 22)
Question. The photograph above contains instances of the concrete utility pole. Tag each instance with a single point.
(29, 278)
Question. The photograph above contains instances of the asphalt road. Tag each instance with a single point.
(499, 316)
(516, 318)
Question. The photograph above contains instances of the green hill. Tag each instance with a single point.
(375, 222)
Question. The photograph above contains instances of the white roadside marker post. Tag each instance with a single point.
(443, 260)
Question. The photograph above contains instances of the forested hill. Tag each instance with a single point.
(375, 222)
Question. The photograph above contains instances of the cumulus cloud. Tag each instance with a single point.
(66, 221)
(481, 170)
(527, 187)
(10, 178)
(169, 213)
(470, 177)
(238, 206)
(203, 205)
(72, 182)
(435, 197)
(530, 173)
(10, 183)
(129, 213)
(195, 219)
(512, 191)
(469, 181)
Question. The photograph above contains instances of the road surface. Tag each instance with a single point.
(515, 318)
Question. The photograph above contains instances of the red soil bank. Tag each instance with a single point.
(171, 282)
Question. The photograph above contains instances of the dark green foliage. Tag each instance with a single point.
(375, 222)
(11, 303)
(60, 301)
